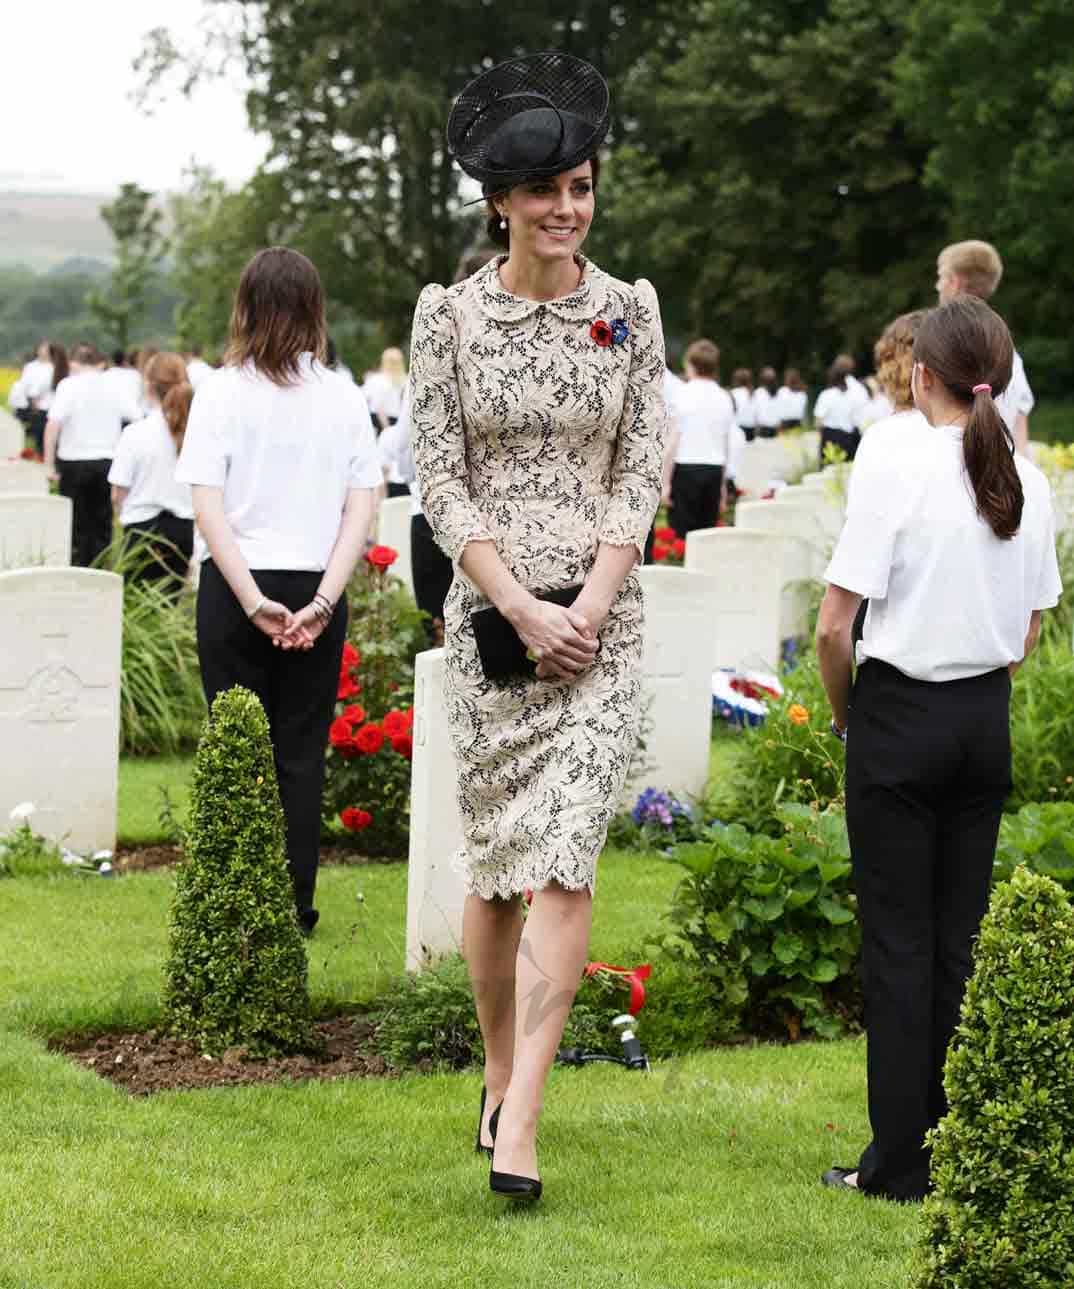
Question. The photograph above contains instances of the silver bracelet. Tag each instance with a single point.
(257, 608)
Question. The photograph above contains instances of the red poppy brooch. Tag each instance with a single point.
(609, 333)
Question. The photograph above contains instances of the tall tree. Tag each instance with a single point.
(136, 228)
(768, 184)
(990, 85)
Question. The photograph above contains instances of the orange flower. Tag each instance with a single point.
(797, 714)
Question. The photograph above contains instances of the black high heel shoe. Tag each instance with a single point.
(478, 1147)
(510, 1185)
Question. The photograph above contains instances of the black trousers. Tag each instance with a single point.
(35, 424)
(171, 540)
(928, 769)
(398, 490)
(298, 692)
(430, 569)
(86, 483)
(695, 497)
(848, 440)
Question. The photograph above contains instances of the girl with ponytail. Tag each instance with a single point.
(950, 542)
(151, 503)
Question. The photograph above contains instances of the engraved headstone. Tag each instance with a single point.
(393, 529)
(59, 701)
(680, 609)
(34, 531)
(435, 894)
(804, 552)
(23, 476)
(748, 567)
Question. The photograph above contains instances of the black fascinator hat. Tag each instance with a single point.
(536, 115)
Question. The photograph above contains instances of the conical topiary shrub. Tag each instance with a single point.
(1002, 1214)
(236, 969)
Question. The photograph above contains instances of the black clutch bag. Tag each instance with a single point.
(502, 653)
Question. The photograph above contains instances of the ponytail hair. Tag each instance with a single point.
(967, 347)
(165, 377)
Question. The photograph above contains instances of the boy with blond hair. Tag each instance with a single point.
(975, 268)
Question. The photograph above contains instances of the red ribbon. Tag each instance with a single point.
(636, 976)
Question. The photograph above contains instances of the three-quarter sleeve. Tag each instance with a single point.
(639, 449)
(438, 436)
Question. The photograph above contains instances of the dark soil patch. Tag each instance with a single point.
(157, 1062)
(143, 859)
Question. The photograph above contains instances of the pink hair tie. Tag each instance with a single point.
(982, 389)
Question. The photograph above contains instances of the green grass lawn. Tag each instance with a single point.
(1052, 421)
(703, 1173)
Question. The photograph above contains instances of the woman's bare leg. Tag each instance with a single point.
(551, 957)
(491, 930)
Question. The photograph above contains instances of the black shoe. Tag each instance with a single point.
(836, 1178)
(510, 1185)
(307, 920)
(493, 1121)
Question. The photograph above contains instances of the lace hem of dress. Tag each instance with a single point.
(505, 883)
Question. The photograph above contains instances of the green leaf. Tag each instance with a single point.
(836, 914)
(823, 971)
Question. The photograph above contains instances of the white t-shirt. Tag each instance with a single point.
(128, 380)
(196, 371)
(394, 443)
(947, 598)
(36, 382)
(743, 399)
(878, 408)
(1017, 399)
(765, 409)
(834, 409)
(791, 404)
(857, 396)
(90, 410)
(285, 457)
(704, 417)
(384, 398)
(145, 463)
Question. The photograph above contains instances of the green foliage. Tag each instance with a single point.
(366, 801)
(235, 974)
(23, 853)
(1040, 837)
(429, 1018)
(161, 699)
(784, 760)
(136, 228)
(769, 922)
(1042, 734)
(1003, 1158)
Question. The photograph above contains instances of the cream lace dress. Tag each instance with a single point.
(528, 432)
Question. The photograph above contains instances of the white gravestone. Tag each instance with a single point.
(748, 566)
(761, 463)
(435, 893)
(12, 435)
(680, 610)
(34, 531)
(59, 701)
(393, 529)
(804, 547)
(23, 476)
(827, 505)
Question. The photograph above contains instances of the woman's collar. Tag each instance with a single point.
(585, 302)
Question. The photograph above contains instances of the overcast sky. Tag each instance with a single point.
(70, 124)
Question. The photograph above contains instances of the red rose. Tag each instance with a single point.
(351, 656)
(678, 548)
(665, 534)
(601, 332)
(28, 454)
(348, 688)
(394, 724)
(339, 732)
(660, 552)
(409, 714)
(369, 739)
(404, 745)
(354, 715)
(382, 556)
(354, 820)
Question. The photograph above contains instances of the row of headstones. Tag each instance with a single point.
(61, 630)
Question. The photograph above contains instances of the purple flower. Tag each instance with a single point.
(620, 331)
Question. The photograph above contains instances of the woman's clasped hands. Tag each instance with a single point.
(563, 642)
(289, 630)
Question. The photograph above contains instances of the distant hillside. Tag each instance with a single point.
(43, 230)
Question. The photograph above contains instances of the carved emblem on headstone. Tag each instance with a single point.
(52, 694)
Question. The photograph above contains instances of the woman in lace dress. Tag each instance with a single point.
(538, 425)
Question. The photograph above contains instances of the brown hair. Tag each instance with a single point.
(893, 354)
(85, 354)
(792, 378)
(57, 356)
(977, 263)
(502, 236)
(165, 376)
(742, 376)
(474, 260)
(278, 315)
(966, 345)
(704, 357)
